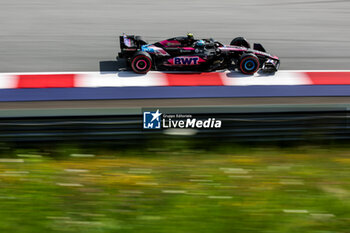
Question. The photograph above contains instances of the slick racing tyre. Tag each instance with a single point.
(141, 62)
(240, 41)
(249, 63)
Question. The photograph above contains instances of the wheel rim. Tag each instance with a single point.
(141, 64)
(249, 65)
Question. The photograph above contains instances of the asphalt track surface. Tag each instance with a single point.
(81, 35)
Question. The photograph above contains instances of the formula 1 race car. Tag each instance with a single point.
(186, 53)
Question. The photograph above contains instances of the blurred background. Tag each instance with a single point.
(75, 35)
(86, 166)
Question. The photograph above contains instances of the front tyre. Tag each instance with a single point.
(141, 63)
(249, 63)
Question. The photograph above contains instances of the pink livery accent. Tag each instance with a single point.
(188, 48)
(127, 41)
(232, 48)
(264, 54)
(186, 60)
(170, 43)
(157, 50)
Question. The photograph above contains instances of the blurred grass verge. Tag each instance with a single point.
(174, 186)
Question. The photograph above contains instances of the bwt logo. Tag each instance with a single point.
(186, 60)
(151, 120)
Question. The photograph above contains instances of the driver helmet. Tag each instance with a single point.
(190, 36)
(200, 43)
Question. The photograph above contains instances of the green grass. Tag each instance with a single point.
(174, 190)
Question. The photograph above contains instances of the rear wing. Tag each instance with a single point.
(127, 41)
(129, 44)
(131, 41)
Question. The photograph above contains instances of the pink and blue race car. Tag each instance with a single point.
(188, 54)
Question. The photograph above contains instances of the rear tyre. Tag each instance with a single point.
(249, 63)
(240, 41)
(141, 62)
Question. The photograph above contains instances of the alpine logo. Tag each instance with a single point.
(185, 60)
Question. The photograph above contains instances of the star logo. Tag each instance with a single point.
(156, 115)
